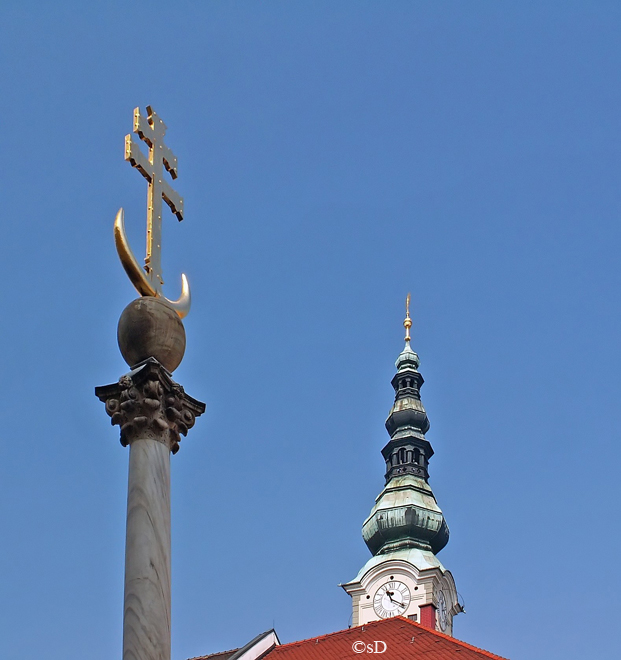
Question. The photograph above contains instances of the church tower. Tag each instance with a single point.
(406, 528)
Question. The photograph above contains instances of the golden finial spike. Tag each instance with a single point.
(407, 324)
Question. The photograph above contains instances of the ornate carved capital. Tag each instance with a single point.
(147, 403)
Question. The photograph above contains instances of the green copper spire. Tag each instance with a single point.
(406, 514)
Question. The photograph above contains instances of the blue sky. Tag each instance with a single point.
(333, 156)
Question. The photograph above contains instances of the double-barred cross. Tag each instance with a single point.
(152, 130)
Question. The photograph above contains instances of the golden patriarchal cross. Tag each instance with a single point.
(152, 130)
(148, 281)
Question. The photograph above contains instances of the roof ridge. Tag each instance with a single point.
(489, 654)
(344, 630)
(308, 639)
(211, 655)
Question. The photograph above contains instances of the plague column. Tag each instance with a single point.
(151, 409)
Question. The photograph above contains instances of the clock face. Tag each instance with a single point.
(442, 611)
(391, 599)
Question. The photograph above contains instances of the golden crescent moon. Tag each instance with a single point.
(137, 275)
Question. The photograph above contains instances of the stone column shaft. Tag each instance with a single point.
(146, 613)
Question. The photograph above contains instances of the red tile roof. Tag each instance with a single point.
(404, 639)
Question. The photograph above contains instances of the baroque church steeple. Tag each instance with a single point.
(406, 528)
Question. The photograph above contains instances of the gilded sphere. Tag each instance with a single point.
(149, 327)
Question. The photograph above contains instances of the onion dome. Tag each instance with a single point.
(406, 514)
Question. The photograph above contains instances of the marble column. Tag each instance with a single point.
(146, 629)
(153, 412)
